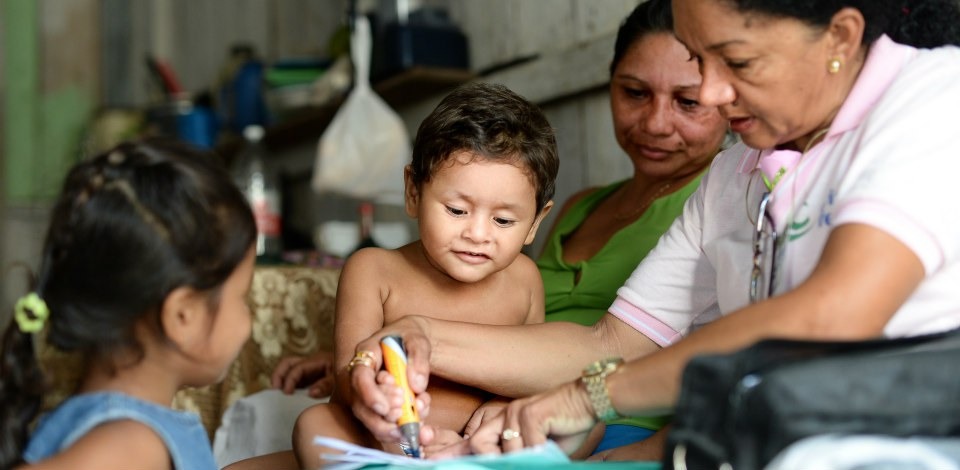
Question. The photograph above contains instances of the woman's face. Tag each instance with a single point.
(768, 75)
(657, 118)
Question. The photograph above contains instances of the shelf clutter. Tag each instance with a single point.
(398, 91)
(308, 122)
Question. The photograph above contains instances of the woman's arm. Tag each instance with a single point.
(863, 277)
(511, 361)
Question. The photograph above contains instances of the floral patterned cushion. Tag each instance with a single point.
(292, 308)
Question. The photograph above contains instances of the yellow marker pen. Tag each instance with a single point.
(395, 360)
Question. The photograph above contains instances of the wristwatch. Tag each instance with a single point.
(594, 379)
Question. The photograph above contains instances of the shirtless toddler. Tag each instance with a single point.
(480, 182)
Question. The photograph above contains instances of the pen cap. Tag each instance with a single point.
(395, 360)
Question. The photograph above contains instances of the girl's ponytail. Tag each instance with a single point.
(21, 387)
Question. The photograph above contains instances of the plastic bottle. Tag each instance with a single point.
(249, 105)
(366, 226)
(240, 86)
(261, 186)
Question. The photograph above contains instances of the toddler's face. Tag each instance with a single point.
(475, 215)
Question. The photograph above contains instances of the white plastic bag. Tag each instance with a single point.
(363, 151)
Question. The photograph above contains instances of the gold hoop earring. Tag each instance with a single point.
(834, 65)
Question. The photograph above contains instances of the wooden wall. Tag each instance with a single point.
(90, 54)
(49, 90)
(569, 44)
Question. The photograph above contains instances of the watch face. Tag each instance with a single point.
(604, 365)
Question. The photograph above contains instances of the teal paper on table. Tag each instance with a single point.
(547, 455)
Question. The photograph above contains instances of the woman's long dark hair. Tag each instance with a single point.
(130, 226)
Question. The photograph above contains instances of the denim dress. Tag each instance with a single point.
(185, 437)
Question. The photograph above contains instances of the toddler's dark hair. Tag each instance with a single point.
(492, 121)
(130, 226)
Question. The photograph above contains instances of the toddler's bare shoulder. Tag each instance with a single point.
(524, 271)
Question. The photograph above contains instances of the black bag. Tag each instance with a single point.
(740, 410)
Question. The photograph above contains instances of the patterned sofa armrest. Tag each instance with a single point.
(292, 308)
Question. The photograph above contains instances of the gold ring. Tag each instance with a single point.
(362, 358)
(509, 434)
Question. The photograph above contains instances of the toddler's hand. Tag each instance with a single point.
(441, 439)
(315, 372)
(484, 413)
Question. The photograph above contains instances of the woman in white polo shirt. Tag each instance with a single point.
(834, 219)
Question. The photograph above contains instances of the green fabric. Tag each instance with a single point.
(586, 301)
(278, 77)
(44, 127)
(19, 24)
(600, 276)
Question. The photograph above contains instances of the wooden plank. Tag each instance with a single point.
(567, 118)
(541, 27)
(302, 28)
(21, 99)
(69, 34)
(418, 83)
(68, 89)
(561, 73)
(489, 30)
(599, 17)
(116, 50)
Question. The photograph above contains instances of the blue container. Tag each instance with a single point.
(243, 98)
(198, 125)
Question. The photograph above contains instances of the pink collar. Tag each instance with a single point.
(881, 68)
(883, 63)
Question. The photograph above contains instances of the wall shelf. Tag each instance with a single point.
(401, 90)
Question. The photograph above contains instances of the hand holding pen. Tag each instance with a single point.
(377, 399)
(395, 361)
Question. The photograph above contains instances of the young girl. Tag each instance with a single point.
(145, 270)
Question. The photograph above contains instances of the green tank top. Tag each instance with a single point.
(586, 301)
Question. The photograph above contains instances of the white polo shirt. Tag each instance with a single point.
(890, 160)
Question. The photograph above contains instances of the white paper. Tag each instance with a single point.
(355, 456)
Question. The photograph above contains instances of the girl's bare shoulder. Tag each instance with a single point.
(120, 444)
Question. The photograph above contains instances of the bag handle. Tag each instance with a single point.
(360, 50)
(680, 459)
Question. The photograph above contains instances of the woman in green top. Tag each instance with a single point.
(602, 233)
